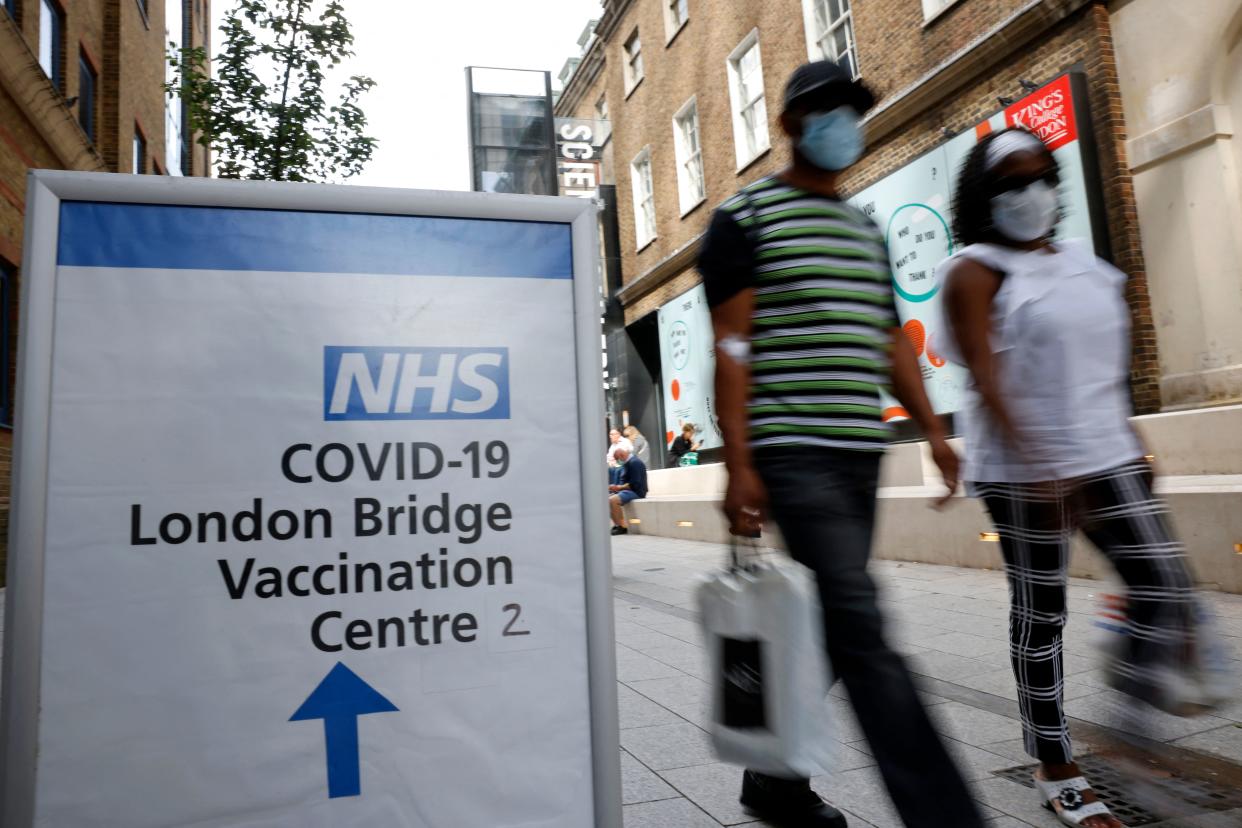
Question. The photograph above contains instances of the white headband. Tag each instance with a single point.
(1007, 143)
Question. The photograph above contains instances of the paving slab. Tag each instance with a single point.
(641, 784)
(664, 747)
(1225, 742)
(667, 813)
(636, 710)
(952, 626)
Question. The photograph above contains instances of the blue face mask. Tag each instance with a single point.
(832, 140)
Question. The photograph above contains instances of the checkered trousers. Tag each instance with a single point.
(1118, 513)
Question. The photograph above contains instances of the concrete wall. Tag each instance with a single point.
(1198, 455)
(1182, 96)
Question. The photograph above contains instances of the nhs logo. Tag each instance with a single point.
(377, 383)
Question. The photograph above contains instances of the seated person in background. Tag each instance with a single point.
(683, 443)
(631, 485)
(641, 450)
(615, 442)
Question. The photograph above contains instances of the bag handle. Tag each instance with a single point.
(742, 547)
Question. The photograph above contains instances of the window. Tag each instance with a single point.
(8, 275)
(176, 34)
(145, 10)
(750, 110)
(690, 189)
(830, 31)
(11, 7)
(644, 199)
(676, 13)
(933, 8)
(87, 81)
(603, 129)
(140, 151)
(633, 62)
(51, 34)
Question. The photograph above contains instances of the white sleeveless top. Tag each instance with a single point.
(1061, 345)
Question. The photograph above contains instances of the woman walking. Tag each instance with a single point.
(1044, 329)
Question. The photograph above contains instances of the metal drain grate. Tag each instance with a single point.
(1146, 801)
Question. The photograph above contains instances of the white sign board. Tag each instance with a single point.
(688, 367)
(912, 206)
(289, 546)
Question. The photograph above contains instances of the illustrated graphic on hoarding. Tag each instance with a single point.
(280, 556)
(688, 357)
(913, 206)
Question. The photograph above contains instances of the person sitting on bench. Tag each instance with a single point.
(631, 485)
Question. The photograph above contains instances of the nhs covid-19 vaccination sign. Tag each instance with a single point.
(309, 527)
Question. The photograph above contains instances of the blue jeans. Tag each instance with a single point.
(823, 500)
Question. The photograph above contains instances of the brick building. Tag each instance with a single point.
(81, 88)
(693, 91)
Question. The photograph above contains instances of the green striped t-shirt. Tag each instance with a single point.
(822, 315)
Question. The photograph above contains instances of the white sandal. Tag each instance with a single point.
(1068, 794)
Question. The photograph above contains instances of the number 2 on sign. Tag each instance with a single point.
(516, 609)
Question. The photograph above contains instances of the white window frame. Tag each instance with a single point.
(642, 185)
(817, 37)
(140, 148)
(747, 145)
(934, 8)
(49, 30)
(673, 25)
(633, 77)
(691, 185)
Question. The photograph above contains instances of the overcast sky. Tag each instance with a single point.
(417, 51)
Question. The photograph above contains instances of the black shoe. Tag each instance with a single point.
(789, 803)
(620, 530)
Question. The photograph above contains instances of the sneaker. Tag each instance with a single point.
(788, 803)
(620, 530)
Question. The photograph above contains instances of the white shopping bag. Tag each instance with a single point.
(769, 672)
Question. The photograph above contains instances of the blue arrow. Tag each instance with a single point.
(339, 700)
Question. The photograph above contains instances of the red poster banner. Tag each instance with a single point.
(1048, 112)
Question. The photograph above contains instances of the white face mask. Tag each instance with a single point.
(1027, 214)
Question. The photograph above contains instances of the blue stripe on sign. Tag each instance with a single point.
(98, 234)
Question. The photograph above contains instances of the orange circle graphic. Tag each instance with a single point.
(915, 332)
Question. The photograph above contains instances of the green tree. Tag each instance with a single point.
(264, 115)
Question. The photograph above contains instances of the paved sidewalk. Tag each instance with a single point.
(951, 625)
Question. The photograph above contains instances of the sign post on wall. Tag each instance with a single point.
(289, 546)
(688, 362)
(913, 207)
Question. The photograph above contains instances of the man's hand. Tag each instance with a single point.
(746, 502)
(613, 488)
(947, 461)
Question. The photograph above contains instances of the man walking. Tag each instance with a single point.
(806, 335)
(631, 485)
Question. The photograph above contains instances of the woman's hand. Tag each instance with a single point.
(947, 461)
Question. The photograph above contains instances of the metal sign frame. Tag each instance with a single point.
(20, 707)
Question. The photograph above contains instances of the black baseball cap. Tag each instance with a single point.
(827, 83)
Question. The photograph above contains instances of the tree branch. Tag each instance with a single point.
(278, 151)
